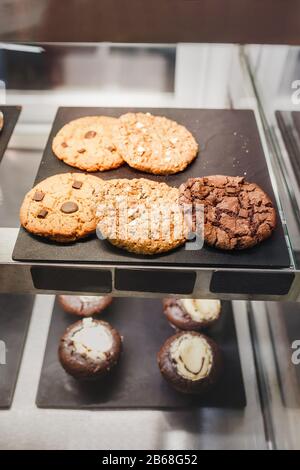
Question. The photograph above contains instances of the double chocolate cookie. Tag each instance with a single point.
(62, 207)
(237, 214)
(84, 305)
(190, 362)
(89, 349)
(192, 314)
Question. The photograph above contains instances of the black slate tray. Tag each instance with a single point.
(11, 115)
(15, 314)
(137, 382)
(230, 145)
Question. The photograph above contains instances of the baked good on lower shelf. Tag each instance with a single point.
(89, 349)
(84, 305)
(192, 314)
(62, 207)
(237, 214)
(88, 143)
(141, 216)
(1, 121)
(155, 144)
(190, 362)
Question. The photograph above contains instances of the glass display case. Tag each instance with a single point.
(38, 78)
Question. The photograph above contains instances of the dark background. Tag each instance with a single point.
(158, 21)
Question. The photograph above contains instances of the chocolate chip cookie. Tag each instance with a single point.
(190, 362)
(88, 144)
(141, 216)
(237, 214)
(155, 144)
(89, 349)
(62, 207)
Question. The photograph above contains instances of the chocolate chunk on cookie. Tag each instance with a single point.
(77, 184)
(38, 196)
(42, 214)
(88, 144)
(69, 207)
(155, 144)
(56, 210)
(141, 216)
(237, 214)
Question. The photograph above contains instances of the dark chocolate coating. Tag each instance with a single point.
(86, 368)
(73, 304)
(181, 384)
(177, 316)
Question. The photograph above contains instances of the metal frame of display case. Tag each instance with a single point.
(17, 276)
(259, 426)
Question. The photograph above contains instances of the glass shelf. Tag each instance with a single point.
(273, 71)
(186, 75)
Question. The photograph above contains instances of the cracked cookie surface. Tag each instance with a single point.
(237, 214)
(62, 207)
(141, 216)
(155, 144)
(88, 144)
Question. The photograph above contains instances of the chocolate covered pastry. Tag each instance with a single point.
(192, 314)
(190, 362)
(89, 349)
(84, 305)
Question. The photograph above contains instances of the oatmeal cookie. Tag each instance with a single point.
(155, 144)
(141, 216)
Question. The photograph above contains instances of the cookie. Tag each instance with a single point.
(155, 144)
(84, 305)
(141, 216)
(190, 362)
(192, 314)
(237, 214)
(62, 207)
(88, 144)
(89, 349)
